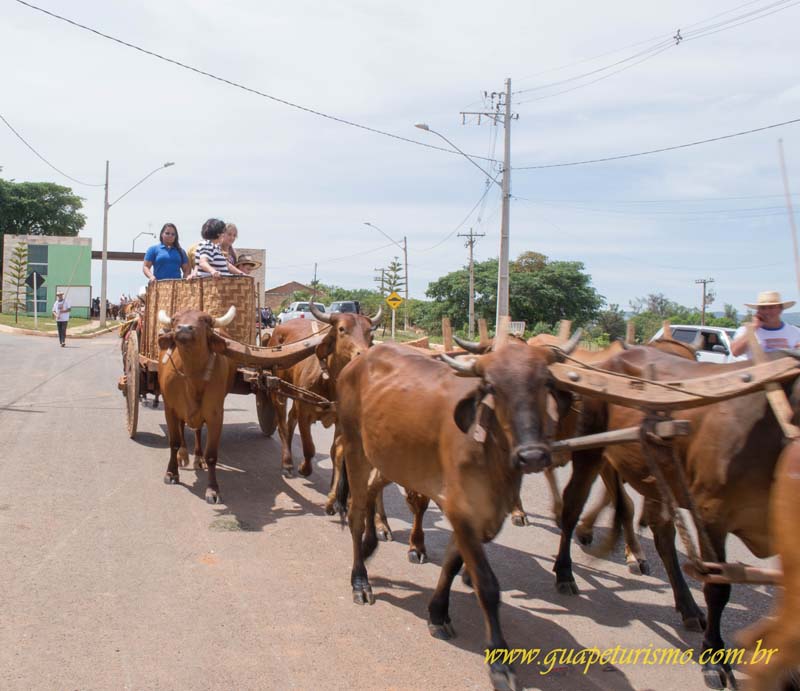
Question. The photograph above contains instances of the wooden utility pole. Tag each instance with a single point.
(471, 243)
(791, 214)
(703, 312)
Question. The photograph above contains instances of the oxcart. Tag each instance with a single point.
(140, 349)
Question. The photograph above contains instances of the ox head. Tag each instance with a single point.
(193, 329)
(513, 401)
(350, 334)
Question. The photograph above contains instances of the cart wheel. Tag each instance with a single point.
(266, 413)
(132, 385)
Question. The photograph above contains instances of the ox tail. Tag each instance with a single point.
(342, 492)
(622, 515)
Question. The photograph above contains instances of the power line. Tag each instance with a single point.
(61, 172)
(334, 259)
(243, 87)
(658, 151)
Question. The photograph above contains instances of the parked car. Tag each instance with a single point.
(352, 306)
(299, 310)
(713, 343)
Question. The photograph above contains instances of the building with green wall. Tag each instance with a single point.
(64, 262)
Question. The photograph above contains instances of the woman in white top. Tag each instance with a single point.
(209, 257)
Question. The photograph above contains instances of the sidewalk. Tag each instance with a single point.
(72, 332)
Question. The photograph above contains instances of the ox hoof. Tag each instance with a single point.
(362, 592)
(385, 534)
(417, 556)
(639, 567)
(444, 632)
(287, 471)
(329, 509)
(212, 497)
(519, 519)
(171, 479)
(585, 537)
(200, 463)
(719, 676)
(569, 587)
(694, 623)
(503, 678)
(305, 468)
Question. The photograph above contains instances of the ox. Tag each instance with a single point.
(729, 461)
(196, 370)
(349, 335)
(463, 441)
(781, 630)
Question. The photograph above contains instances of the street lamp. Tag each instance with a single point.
(104, 263)
(502, 267)
(144, 232)
(404, 246)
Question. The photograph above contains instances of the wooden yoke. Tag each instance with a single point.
(775, 394)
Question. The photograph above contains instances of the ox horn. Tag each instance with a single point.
(472, 346)
(572, 343)
(377, 318)
(163, 318)
(458, 366)
(319, 316)
(226, 319)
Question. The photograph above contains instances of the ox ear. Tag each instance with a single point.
(466, 409)
(326, 347)
(166, 340)
(217, 344)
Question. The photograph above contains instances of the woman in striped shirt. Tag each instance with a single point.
(209, 257)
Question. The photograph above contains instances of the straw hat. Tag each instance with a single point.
(769, 298)
(247, 259)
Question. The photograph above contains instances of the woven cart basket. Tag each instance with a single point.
(206, 294)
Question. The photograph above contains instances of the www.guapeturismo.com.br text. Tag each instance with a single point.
(585, 658)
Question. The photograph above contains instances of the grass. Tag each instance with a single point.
(46, 324)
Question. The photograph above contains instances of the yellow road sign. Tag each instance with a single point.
(394, 300)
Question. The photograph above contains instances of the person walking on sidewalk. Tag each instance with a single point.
(61, 310)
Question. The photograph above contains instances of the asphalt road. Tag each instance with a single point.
(114, 580)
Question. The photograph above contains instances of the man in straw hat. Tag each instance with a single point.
(61, 310)
(771, 331)
(246, 263)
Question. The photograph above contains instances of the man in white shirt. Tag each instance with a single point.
(61, 309)
(771, 331)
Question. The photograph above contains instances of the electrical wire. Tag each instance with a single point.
(334, 259)
(661, 150)
(237, 85)
(60, 172)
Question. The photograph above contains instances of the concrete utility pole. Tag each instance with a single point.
(405, 265)
(471, 243)
(703, 312)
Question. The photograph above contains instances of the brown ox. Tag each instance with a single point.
(196, 370)
(465, 442)
(781, 630)
(729, 460)
(349, 335)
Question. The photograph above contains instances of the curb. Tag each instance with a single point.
(4, 328)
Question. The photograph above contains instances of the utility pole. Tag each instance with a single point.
(791, 213)
(405, 262)
(104, 267)
(704, 281)
(471, 243)
(504, 102)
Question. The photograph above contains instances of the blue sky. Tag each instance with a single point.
(302, 186)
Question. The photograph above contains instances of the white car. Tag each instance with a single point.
(713, 343)
(299, 310)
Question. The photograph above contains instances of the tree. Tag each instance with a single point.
(609, 325)
(540, 291)
(15, 279)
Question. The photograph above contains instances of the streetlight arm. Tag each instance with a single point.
(372, 225)
(153, 172)
(423, 126)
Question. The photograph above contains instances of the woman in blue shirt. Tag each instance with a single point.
(167, 259)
